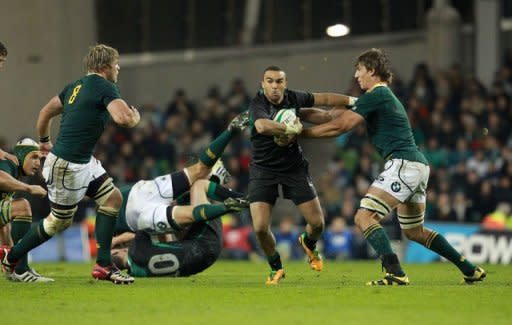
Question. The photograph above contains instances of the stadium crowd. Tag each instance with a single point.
(462, 127)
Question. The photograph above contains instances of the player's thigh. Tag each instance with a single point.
(263, 186)
(5, 211)
(374, 206)
(298, 187)
(411, 216)
(261, 213)
(402, 179)
(312, 212)
(20, 207)
(68, 182)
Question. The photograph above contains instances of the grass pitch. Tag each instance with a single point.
(235, 293)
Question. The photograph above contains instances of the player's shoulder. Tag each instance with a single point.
(9, 167)
(258, 99)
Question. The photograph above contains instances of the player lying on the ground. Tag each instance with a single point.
(196, 248)
(147, 204)
(16, 214)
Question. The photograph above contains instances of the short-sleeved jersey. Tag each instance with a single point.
(388, 126)
(197, 251)
(84, 117)
(10, 168)
(267, 155)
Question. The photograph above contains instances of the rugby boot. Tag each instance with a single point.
(30, 275)
(240, 122)
(7, 267)
(236, 204)
(390, 279)
(478, 275)
(274, 277)
(111, 273)
(314, 258)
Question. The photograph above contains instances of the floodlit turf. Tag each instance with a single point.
(235, 293)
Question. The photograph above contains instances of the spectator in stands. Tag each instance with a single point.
(338, 240)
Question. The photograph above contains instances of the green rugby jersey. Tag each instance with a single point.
(388, 125)
(10, 168)
(84, 117)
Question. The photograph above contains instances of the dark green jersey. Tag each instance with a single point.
(388, 126)
(10, 168)
(84, 117)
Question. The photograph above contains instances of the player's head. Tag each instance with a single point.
(103, 59)
(3, 54)
(274, 83)
(120, 258)
(29, 156)
(372, 66)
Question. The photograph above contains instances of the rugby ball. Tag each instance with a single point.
(286, 116)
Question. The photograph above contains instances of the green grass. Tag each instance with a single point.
(234, 292)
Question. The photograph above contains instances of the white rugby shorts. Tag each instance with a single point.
(68, 182)
(404, 180)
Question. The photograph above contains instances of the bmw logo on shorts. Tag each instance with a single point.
(161, 225)
(395, 187)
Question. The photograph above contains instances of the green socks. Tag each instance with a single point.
(33, 238)
(220, 193)
(275, 261)
(210, 155)
(379, 240)
(204, 212)
(103, 231)
(440, 245)
(19, 227)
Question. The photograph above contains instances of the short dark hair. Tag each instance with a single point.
(376, 60)
(3, 50)
(272, 68)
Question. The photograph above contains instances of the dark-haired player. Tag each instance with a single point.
(403, 183)
(282, 163)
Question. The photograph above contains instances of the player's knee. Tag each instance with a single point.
(417, 234)
(200, 185)
(58, 220)
(108, 210)
(23, 207)
(114, 200)
(106, 193)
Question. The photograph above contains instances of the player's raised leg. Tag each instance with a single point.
(411, 217)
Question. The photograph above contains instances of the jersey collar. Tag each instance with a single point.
(378, 84)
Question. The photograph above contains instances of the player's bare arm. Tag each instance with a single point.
(123, 114)
(269, 127)
(333, 99)
(343, 123)
(53, 108)
(123, 239)
(11, 184)
(318, 116)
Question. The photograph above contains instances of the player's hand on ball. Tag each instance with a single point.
(295, 128)
(283, 140)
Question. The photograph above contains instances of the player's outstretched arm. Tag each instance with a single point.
(333, 99)
(122, 114)
(268, 127)
(343, 123)
(318, 116)
(11, 184)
